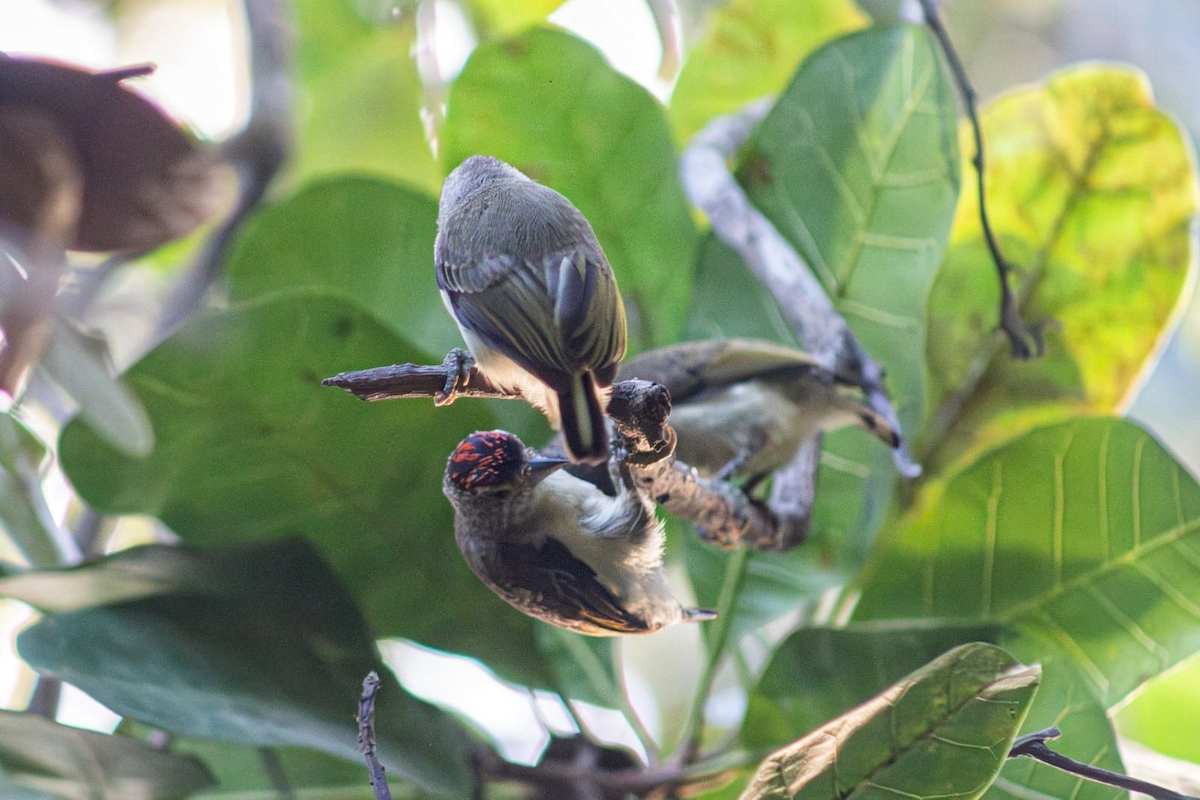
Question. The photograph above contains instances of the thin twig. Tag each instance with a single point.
(366, 736)
(666, 22)
(1025, 340)
(735, 571)
(1034, 746)
(268, 759)
(636, 723)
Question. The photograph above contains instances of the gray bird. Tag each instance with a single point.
(522, 273)
(555, 547)
(741, 407)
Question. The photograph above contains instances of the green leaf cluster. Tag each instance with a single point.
(884, 656)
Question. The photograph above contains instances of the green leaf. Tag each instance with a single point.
(500, 17)
(1092, 191)
(549, 104)
(1086, 533)
(816, 674)
(23, 511)
(1064, 699)
(857, 166)
(945, 730)
(43, 760)
(250, 446)
(270, 651)
(772, 585)
(729, 302)
(360, 110)
(584, 667)
(1160, 716)
(365, 239)
(866, 197)
(81, 365)
(749, 49)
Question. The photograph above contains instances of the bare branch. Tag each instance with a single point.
(1034, 746)
(402, 381)
(366, 736)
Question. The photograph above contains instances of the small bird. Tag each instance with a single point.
(521, 271)
(741, 407)
(555, 547)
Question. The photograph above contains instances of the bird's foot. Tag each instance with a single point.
(458, 364)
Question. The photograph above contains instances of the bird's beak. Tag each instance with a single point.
(541, 468)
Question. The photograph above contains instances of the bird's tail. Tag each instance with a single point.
(698, 614)
(583, 425)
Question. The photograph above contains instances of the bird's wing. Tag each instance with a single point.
(588, 310)
(689, 368)
(509, 302)
(566, 588)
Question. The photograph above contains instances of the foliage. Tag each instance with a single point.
(1045, 529)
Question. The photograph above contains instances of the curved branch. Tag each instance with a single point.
(1034, 746)
(802, 300)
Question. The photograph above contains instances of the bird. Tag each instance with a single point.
(536, 301)
(555, 547)
(742, 407)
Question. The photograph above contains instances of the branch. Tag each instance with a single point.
(1025, 340)
(272, 767)
(366, 736)
(405, 381)
(802, 300)
(257, 153)
(1034, 746)
(722, 514)
(586, 777)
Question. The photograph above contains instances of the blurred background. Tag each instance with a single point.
(200, 49)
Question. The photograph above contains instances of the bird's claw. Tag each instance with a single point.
(458, 364)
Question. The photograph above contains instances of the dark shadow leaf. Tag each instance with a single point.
(43, 760)
(256, 645)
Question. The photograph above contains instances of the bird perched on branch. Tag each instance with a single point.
(521, 271)
(556, 547)
(741, 407)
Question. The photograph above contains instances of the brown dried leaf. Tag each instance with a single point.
(145, 181)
